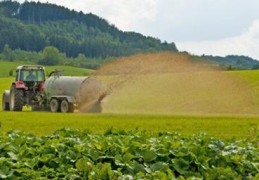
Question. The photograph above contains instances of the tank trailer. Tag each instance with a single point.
(56, 93)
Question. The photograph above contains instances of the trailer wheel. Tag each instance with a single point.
(54, 105)
(16, 99)
(5, 105)
(66, 107)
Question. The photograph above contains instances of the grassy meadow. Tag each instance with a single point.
(43, 123)
(225, 106)
(67, 70)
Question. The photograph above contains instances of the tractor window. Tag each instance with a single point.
(17, 76)
(33, 75)
(40, 75)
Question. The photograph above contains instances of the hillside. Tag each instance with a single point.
(231, 62)
(49, 34)
(32, 26)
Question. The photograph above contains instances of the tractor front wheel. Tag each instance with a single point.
(16, 99)
(5, 105)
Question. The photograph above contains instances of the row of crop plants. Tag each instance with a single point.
(78, 154)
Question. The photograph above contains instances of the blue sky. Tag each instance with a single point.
(217, 27)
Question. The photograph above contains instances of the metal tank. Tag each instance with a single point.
(66, 93)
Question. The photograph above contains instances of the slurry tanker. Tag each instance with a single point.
(57, 93)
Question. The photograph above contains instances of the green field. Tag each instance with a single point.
(67, 70)
(124, 113)
(42, 123)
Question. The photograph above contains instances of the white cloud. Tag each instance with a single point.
(244, 44)
(125, 14)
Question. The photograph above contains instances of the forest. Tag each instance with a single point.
(32, 26)
(49, 34)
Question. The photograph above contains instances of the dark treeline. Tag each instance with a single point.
(232, 62)
(50, 56)
(32, 26)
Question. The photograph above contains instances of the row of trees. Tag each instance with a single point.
(32, 26)
(232, 62)
(49, 56)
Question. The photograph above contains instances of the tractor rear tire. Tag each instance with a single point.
(5, 105)
(54, 105)
(66, 107)
(16, 99)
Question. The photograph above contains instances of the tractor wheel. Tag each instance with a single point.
(54, 105)
(66, 107)
(5, 105)
(16, 99)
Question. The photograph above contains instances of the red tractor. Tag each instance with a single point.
(26, 89)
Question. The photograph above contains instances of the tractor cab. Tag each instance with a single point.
(30, 73)
(31, 76)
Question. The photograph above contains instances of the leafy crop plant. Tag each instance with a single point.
(119, 154)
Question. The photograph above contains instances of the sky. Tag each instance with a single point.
(210, 27)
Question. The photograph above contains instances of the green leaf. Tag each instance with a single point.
(181, 166)
(127, 157)
(5, 172)
(12, 156)
(98, 146)
(84, 165)
(137, 167)
(149, 156)
(159, 166)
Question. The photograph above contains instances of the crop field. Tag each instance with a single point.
(160, 125)
(44, 123)
(129, 114)
(221, 104)
(119, 154)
